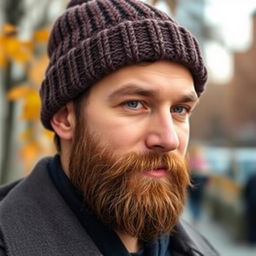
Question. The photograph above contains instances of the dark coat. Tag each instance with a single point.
(35, 221)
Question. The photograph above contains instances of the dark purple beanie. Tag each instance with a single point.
(96, 37)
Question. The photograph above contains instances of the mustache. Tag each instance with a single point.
(137, 162)
(133, 163)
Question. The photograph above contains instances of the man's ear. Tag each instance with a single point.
(63, 122)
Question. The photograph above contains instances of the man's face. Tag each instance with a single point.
(143, 108)
(127, 156)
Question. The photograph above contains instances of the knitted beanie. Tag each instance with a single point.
(96, 37)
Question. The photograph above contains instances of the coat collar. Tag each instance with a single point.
(35, 220)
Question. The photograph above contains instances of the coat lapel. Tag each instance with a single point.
(36, 220)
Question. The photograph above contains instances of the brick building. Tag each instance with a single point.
(227, 112)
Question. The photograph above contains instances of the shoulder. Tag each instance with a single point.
(21, 194)
(31, 223)
(5, 189)
(20, 189)
(8, 191)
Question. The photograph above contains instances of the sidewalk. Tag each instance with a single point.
(220, 238)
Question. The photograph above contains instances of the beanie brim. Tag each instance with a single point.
(127, 43)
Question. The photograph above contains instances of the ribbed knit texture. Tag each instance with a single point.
(96, 37)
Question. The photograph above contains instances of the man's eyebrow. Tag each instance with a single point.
(131, 89)
(190, 97)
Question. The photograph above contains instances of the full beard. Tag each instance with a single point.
(121, 196)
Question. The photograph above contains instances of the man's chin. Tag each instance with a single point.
(146, 210)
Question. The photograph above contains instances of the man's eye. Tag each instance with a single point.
(133, 104)
(180, 110)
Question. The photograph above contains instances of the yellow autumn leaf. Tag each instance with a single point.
(22, 57)
(11, 46)
(41, 35)
(37, 70)
(29, 154)
(31, 109)
(18, 92)
(3, 60)
(17, 50)
(48, 134)
(27, 134)
(28, 45)
(25, 52)
(8, 29)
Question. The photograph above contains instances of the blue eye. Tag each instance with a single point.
(133, 104)
(180, 110)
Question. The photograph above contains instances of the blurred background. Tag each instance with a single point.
(222, 152)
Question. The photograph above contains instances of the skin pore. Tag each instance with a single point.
(139, 108)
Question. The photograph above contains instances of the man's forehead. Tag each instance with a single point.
(159, 81)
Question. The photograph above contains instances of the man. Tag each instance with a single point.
(122, 81)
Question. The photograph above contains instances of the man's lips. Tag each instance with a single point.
(156, 173)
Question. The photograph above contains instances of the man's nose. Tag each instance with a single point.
(162, 135)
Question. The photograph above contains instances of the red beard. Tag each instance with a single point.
(125, 199)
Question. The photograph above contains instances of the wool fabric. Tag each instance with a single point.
(93, 38)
